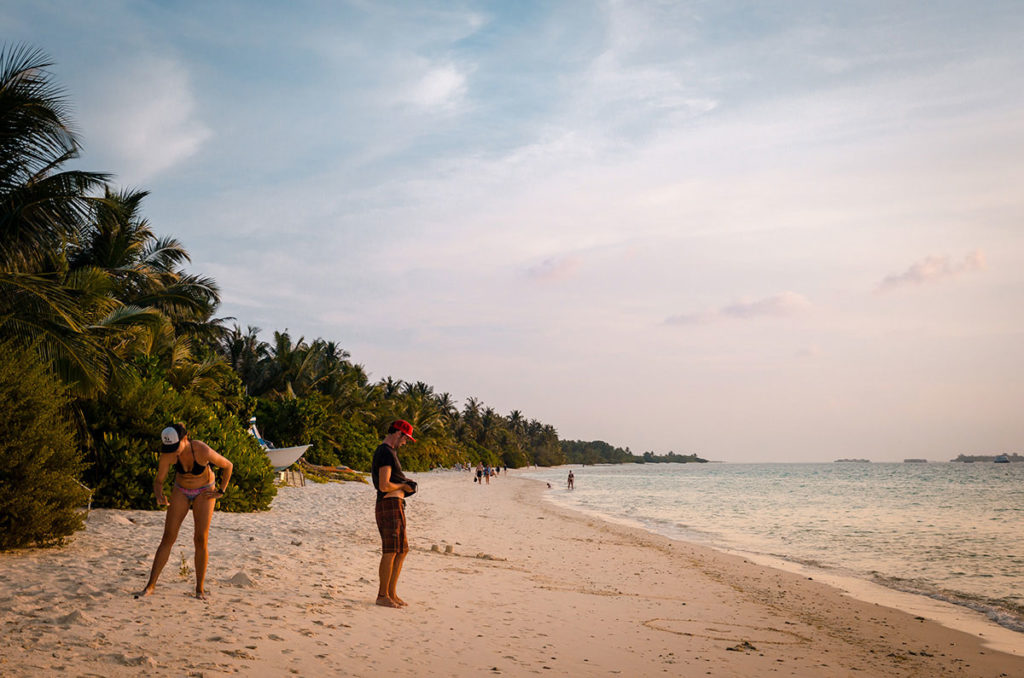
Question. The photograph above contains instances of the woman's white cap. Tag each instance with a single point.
(170, 438)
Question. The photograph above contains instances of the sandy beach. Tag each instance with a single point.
(528, 588)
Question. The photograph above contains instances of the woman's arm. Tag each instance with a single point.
(161, 475)
(221, 462)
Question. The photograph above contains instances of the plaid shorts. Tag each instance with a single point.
(390, 513)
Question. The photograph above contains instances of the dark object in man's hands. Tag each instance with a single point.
(412, 487)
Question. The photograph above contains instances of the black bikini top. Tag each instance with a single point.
(197, 468)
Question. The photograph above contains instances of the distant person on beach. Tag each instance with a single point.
(195, 487)
(480, 472)
(572, 481)
(392, 487)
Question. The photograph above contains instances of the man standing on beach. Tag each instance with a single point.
(392, 486)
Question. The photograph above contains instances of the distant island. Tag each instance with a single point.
(968, 458)
(600, 452)
(853, 461)
(915, 461)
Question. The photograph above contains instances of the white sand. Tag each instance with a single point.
(529, 589)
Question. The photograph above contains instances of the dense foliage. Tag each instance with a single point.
(105, 304)
(670, 458)
(595, 452)
(311, 393)
(600, 452)
(124, 453)
(41, 500)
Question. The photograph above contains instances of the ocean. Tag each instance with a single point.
(951, 531)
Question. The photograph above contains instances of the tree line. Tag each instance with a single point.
(600, 452)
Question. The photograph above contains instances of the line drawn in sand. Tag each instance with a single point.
(726, 631)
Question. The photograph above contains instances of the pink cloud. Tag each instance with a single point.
(779, 305)
(932, 269)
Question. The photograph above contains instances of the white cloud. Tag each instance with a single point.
(933, 269)
(779, 305)
(143, 119)
(440, 87)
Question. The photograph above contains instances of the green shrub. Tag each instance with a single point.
(356, 444)
(40, 497)
(312, 420)
(125, 425)
(296, 421)
(252, 479)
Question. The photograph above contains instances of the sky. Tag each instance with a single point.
(754, 231)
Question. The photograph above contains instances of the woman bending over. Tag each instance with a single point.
(194, 487)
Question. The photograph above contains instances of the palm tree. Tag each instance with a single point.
(42, 210)
(446, 407)
(490, 423)
(246, 355)
(391, 388)
(281, 365)
(516, 422)
(145, 271)
(145, 303)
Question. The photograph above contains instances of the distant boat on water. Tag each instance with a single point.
(1001, 459)
(280, 457)
(915, 461)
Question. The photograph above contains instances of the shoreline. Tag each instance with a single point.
(531, 588)
(956, 616)
(876, 548)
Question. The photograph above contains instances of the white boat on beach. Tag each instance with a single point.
(280, 457)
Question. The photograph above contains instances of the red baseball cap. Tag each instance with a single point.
(405, 427)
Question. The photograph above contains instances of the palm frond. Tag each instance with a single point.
(124, 317)
(165, 254)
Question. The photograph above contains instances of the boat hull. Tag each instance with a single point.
(283, 457)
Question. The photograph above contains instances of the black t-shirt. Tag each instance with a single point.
(385, 455)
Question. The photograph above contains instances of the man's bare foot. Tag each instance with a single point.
(401, 603)
(144, 592)
(384, 601)
(201, 595)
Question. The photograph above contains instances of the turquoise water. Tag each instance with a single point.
(950, 531)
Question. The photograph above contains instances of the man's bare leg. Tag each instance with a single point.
(396, 569)
(387, 562)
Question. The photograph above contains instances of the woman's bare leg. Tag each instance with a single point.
(176, 513)
(202, 513)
